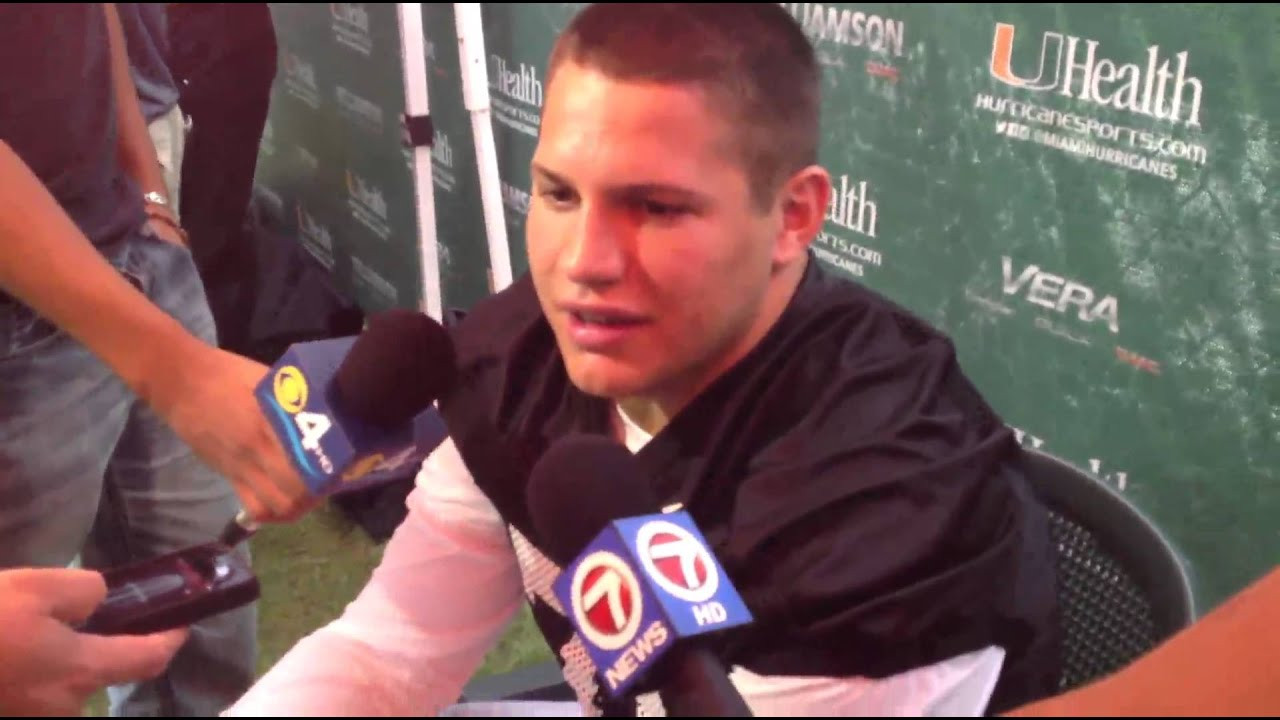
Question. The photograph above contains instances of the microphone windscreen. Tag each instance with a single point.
(395, 369)
(580, 485)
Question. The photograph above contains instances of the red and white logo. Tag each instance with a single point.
(607, 602)
(677, 561)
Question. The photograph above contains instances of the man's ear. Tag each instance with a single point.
(805, 199)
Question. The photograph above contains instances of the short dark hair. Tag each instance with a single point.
(752, 60)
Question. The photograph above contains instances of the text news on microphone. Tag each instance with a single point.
(858, 492)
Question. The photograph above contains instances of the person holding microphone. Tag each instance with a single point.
(114, 396)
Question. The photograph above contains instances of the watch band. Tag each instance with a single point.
(156, 198)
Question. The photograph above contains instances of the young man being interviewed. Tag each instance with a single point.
(857, 489)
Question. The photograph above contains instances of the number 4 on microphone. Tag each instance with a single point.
(314, 426)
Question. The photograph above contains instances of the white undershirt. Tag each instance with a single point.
(448, 586)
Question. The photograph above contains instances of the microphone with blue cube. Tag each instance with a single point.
(356, 411)
(311, 411)
(641, 587)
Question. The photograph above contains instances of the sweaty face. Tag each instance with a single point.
(648, 257)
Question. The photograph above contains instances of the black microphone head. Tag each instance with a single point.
(581, 484)
(396, 368)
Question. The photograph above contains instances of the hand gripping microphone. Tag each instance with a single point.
(357, 408)
(639, 586)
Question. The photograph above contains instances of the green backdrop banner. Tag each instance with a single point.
(333, 166)
(1078, 194)
(460, 231)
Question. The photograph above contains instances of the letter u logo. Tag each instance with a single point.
(1002, 60)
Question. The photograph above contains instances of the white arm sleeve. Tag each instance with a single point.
(957, 687)
(446, 588)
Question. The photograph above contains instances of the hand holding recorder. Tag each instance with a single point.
(47, 667)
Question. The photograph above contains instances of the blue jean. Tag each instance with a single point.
(87, 469)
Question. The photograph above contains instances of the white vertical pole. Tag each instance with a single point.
(414, 64)
(475, 96)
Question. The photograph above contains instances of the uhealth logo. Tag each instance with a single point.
(1151, 88)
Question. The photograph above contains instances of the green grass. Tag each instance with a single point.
(311, 569)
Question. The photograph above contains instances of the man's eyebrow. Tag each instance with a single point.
(641, 189)
(553, 177)
(634, 189)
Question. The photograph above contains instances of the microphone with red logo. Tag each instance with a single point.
(639, 586)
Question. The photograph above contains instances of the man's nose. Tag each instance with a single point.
(596, 252)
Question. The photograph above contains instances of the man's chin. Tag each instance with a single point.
(605, 378)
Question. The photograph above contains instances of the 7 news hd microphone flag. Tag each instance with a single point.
(359, 408)
(640, 587)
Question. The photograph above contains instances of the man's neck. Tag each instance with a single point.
(647, 414)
